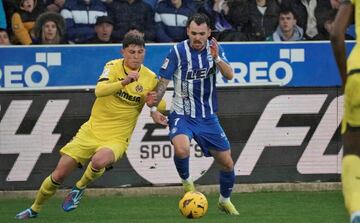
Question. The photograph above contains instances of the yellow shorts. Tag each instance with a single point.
(351, 102)
(85, 144)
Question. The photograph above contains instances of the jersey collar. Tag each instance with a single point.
(124, 67)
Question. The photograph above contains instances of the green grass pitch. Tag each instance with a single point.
(259, 207)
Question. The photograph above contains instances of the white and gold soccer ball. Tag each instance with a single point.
(193, 204)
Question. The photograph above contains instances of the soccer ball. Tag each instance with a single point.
(193, 205)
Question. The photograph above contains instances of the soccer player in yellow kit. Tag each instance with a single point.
(350, 75)
(121, 93)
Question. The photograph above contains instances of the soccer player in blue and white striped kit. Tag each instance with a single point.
(192, 65)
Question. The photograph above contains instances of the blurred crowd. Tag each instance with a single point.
(25, 22)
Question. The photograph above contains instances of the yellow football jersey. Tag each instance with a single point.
(115, 116)
(352, 99)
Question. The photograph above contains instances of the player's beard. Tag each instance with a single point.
(198, 45)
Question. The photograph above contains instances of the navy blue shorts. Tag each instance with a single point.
(207, 132)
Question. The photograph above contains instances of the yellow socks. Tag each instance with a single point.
(49, 186)
(89, 176)
(47, 189)
(351, 182)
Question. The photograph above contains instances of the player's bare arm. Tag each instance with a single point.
(225, 69)
(337, 36)
(153, 99)
(161, 88)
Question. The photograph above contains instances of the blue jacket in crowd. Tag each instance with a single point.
(80, 18)
(135, 15)
(2, 16)
(171, 22)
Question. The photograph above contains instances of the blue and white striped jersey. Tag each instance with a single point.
(194, 76)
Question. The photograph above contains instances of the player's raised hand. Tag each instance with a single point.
(214, 48)
(159, 118)
(151, 98)
(131, 77)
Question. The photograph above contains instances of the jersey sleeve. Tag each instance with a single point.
(222, 55)
(170, 65)
(108, 73)
(155, 81)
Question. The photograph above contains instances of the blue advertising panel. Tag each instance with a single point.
(299, 64)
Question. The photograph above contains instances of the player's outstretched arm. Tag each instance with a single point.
(161, 88)
(337, 36)
(154, 98)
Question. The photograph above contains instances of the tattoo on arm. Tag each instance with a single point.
(161, 88)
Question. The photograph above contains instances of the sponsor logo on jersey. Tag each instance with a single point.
(165, 64)
(128, 97)
(105, 72)
(139, 88)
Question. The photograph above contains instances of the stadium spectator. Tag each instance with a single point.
(310, 16)
(216, 10)
(132, 15)
(54, 5)
(4, 37)
(350, 31)
(23, 20)
(287, 29)
(103, 27)
(350, 129)
(170, 18)
(80, 17)
(328, 21)
(263, 19)
(10, 7)
(49, 29)
(194, 104)
(120, 96)
(238, 15)
(152, 3)
(3, 24)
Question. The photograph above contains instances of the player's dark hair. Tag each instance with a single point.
(198, 18)
(133, 38)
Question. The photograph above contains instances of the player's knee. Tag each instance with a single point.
(102, 160)
(58, 176)
(182, 153)
(228, 166)
(98, 163)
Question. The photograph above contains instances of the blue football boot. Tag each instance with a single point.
(73, 199)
